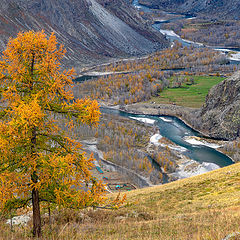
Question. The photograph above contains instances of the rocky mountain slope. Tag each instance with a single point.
(215, 8)
(92, 31)
(220, 114)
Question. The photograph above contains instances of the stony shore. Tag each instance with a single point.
(188, 115)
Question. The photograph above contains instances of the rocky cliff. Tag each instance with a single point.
(220, 115)
(214, 8)
(218, 118)
(92, 31)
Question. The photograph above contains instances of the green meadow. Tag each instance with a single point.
(188, 95)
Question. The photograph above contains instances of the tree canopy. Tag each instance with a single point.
(38, 160)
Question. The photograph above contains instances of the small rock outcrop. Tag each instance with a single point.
(220, 115)
(233, 236)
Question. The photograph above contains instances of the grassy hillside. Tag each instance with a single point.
(189, 95)
(201, 207)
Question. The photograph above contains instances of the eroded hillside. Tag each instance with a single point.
(215, 8)
(221, 111)
(90, 30)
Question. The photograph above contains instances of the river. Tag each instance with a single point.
(171, 127)
(172, 36)
(177, 131)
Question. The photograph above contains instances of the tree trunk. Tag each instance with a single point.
(36, 214)
(35, 194)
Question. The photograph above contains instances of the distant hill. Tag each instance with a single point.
(215, 8)
(92, 31)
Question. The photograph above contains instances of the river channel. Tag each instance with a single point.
(171, 127)
(172, 36)
(177, 131)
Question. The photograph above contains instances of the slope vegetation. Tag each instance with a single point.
(201, 207)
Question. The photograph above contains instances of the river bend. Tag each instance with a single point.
(177, 131)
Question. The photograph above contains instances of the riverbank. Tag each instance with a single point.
(169, 159)
(171, 29)
(125, 175)
(99, 69)
(185, 167)
(188, 116)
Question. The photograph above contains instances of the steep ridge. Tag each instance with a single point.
(220, 114)
(131, 17)
(90, 32)
(216, 8)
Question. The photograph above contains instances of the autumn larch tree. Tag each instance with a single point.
(38, 161)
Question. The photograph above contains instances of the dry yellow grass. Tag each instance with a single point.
(205, 207)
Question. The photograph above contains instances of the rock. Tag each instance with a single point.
(218, 118)
(220, 115)
(84, 218)
(20, 220)
(233, 236)
(121, 218)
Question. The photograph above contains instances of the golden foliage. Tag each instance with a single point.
(36, 154)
